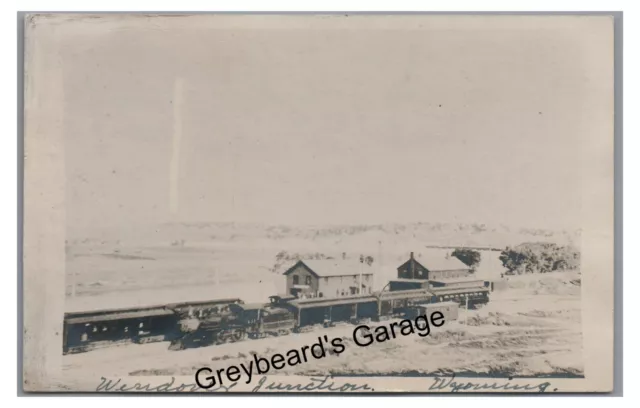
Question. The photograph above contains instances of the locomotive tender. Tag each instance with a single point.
(195, 324)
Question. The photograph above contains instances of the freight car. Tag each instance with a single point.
(448, 309)
(467, 297)
(88, 331)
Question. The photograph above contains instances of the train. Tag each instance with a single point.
(216, 322)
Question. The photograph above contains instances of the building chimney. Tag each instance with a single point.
(411, 255)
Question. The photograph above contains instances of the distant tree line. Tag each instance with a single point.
(469, 257)
(284, 258)
(539, 258)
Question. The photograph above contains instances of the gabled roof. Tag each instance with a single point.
(454, 291)
(325, 302)
(139, 314)
(334, 267)
(402, 280)
(438, 261)
(467, 279)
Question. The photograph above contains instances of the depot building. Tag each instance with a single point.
(329, 278)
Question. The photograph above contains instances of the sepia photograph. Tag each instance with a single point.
(361, 203)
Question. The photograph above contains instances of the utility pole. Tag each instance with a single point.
(379, 298)
(379, 264)
(466, 308)
(360, 284)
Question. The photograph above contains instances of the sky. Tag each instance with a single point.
(324, 123)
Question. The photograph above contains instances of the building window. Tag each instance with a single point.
(319, 294)
(296, 279)
(307, 280)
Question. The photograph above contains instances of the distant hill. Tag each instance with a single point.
(365, 237)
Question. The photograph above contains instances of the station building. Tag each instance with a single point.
(329, 278)
(435, 269)
(444, 276)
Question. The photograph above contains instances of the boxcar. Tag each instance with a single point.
(87, 331)
(467, 296)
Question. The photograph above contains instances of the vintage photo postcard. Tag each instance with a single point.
(318, 203)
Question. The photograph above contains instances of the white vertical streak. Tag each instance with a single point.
(175, 147)
(45, 216)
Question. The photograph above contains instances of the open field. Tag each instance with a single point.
(185, 262)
